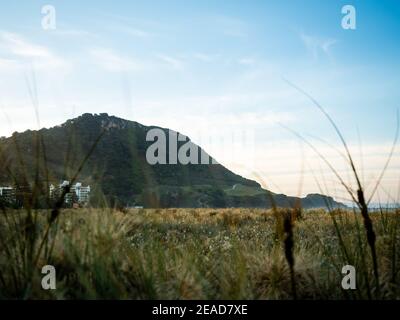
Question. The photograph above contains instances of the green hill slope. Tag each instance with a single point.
(118, 170)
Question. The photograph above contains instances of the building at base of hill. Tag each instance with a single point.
(76, 194)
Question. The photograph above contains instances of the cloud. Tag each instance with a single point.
(23, 51)
(113, 62)
(281, 162)
(135, 32)
(247, 61)
(204, 57)
(171, 61)
(16, 45)
(317, 46)
(72, 33)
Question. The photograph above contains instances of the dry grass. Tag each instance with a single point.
(198, 254)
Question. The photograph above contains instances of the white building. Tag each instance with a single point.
(7, 194)
(83, 193)
(77, 193)
(5, 190)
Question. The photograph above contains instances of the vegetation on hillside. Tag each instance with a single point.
(118, 171)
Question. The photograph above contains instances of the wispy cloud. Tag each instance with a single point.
(111, 61)
(204, 57)
(284, 166)
(173, 62)
(135, 32)
(65, 32)
(317, 46)
(247, 61)
(17, 45)
(19, 51)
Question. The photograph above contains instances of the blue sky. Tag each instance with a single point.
(216, 66)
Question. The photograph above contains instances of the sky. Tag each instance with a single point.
(219, 72)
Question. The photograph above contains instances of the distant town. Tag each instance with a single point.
(76, 195)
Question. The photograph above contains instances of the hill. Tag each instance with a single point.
(118, 170)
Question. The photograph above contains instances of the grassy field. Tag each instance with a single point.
(197, 254)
